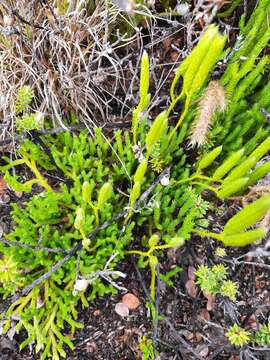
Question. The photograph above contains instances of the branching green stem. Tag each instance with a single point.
(207, 234)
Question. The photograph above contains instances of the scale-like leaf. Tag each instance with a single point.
(104, 194)
(259, 173)
(262, 149)
(243, 239)
(241, 170)
(140, 172)
(208, 159)
(232, 188)
(228, 164)
(157, 129)
(248, 216)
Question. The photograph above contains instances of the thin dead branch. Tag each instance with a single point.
(57, 130)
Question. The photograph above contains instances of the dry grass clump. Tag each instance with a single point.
(63, 53)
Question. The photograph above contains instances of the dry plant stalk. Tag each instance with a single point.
(213, 100)
(254, 193)
(65, 57)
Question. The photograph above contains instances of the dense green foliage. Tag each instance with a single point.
(62, 217)
(240, 337)
(214, 281)
(247, 86)
(116, 195)
(262, 336)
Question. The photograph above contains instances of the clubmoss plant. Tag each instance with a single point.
(149, 258)
(238, 336)
(262, 336)
(147, 349)
(235, 233)
(111, 191)
(57, 223)
(195, 70)
(214, 281)
(246, 84)
(25, 119)
(48, 227)
(241, 337)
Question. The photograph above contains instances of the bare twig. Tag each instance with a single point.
(57, 130)
(265, 114)
(259, 252)
(106, 274)
(180, 339)
(236, 262)
(34, 248)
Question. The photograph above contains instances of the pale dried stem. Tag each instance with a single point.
(64, 60)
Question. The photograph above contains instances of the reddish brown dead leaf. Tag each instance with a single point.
(252, 322)
(129, 336)
(235, 357)
(260, 282)
(174, 56)
(19, 194)
(3, 186)
(97, 312)
(210, 301)
(70, 336)
(204, 314)
(167, 43)
(191, 288)
(191, 271)
(131, 301)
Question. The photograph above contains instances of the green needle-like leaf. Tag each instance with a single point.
(232, 188)
(208, 159)
(228, 165)
(104, 194)
(140, 172)
(259, 173)
(243, 239)
(248, 216)
(158, 127)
